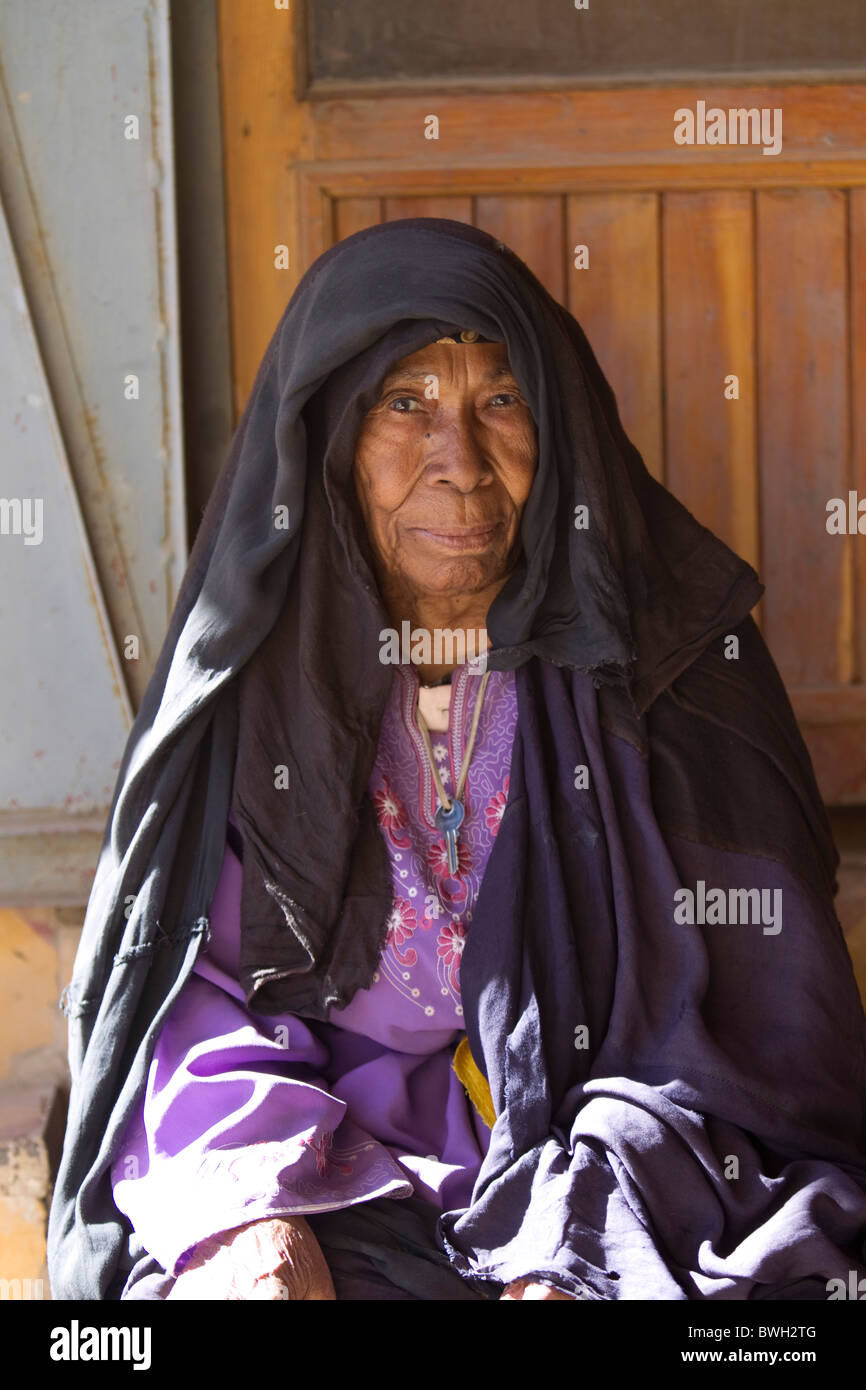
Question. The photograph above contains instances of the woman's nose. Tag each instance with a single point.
(454, 454)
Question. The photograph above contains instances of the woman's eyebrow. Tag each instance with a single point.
(410, 374)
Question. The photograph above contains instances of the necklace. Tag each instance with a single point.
(449, 813)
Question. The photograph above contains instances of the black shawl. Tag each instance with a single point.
(696, 769)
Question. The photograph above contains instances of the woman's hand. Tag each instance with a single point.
(525, 1290)
(275, 1258)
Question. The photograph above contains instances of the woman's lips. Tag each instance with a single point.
(460, 538)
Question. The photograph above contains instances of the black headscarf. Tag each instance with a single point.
(271, 660)
(635, 595)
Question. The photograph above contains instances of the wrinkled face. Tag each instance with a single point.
(442, 478)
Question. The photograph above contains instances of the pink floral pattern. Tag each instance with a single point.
(391, 814)
(449, 946)
(422, 964)
(401, 925)
(495, 809)
(437, 858)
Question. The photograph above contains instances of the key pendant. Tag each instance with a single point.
(449, 821)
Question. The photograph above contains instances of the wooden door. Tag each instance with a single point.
(724, 294)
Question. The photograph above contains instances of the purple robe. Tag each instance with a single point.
(246, 1116)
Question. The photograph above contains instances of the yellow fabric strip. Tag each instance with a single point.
(474, 1082)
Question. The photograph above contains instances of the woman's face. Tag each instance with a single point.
(443, 466)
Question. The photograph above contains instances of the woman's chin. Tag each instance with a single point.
(456, 574)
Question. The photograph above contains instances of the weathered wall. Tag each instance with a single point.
(37, 948)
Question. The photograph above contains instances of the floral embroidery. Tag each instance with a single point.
(431, 912)
(449, 948)
(440, 755)
(495, 809)
(437, 858)
(401, 925)
(392, 815)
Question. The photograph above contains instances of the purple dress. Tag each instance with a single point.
(246, 1116)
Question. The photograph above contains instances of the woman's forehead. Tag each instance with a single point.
(442, 352)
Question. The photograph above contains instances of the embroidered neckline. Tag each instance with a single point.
(455, 736)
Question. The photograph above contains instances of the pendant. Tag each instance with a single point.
(448, 821)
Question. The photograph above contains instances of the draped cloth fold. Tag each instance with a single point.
(680, 1104)
(630, 1058)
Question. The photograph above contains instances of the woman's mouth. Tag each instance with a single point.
(460, 537)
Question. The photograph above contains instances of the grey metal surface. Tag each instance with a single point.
(64, 712)
(92, 223)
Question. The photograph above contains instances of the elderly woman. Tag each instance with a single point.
(410, 976)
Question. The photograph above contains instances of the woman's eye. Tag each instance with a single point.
(508, 396)
(402, 404)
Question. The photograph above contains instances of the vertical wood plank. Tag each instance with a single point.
(533, 226)
(354, 215)
(459, 208)
(616, 300)
(857, 225)
(265, 130)
(803, 431)
(709, 326)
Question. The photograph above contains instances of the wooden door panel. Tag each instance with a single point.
(459, 209)
(533, 226)
(709, 336)
(617, 301)
(857, 236)
(537, 136)
(803, 432)
(354, 215)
